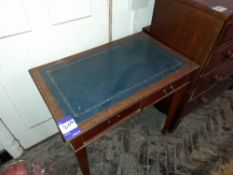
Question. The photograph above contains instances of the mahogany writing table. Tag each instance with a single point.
(109, 84)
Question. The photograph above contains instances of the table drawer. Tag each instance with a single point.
(87, 137)
(227, 34)
(168, 90)
(219, 57)
(212, 78)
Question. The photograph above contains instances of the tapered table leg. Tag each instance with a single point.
(174, 109)
(81, 156)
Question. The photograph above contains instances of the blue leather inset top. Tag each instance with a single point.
(88, 85)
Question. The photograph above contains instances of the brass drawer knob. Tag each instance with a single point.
(229, 55)
(165, 91)
(204, 100)
(172, 88)
(169, 90)
(218, 78)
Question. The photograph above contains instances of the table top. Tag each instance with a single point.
(87, 84)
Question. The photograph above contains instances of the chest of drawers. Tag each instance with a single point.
(202, 30)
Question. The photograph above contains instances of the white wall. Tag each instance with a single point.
(37, 32)
(128, 19)
(1, 148)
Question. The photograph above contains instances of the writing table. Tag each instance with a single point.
(105, 86)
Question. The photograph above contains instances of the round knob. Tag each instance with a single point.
(172, 88)
(165, 91)
(229, 55)
(218, 78)
(204, 100)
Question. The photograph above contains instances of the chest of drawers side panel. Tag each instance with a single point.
(185, 28)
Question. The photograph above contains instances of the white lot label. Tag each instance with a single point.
(68, 126)
(219, 8)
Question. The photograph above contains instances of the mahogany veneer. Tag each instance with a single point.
(202, 30)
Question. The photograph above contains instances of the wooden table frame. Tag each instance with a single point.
(175, 84)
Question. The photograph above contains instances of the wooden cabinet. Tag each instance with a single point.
(202, 30)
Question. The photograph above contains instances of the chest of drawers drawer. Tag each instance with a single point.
(219, 57)
(212, 78)
(209, 95)
(226, 34)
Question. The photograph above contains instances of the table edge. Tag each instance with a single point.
(90, 123)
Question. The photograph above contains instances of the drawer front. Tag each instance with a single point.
(125, 114)
(87, 137)
(168, 90)
(227, 34)
(219, 57)
(213, 78)
(209, 95)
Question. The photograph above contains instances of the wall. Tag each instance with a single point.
(1, 148)
(128, 18)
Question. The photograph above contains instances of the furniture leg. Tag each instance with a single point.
(81, 156)
(173, 111)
